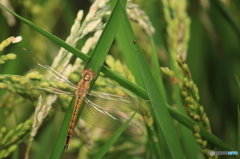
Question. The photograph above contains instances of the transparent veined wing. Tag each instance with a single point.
(32, 61)
(110, 113)
(113, 102)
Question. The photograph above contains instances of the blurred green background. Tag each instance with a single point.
(213, 53)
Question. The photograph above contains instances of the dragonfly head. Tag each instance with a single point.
(88, 74)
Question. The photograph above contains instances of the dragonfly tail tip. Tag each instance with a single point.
(65, 147)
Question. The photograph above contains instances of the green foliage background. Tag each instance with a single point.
(212, 47)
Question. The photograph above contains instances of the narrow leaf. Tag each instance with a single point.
(112, 139)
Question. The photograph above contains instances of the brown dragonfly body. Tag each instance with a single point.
(81, 92)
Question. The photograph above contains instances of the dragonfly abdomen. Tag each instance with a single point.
(81, 92)
(73, 122)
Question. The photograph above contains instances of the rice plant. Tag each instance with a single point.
(177, 62)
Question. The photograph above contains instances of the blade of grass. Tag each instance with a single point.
(125, 45)
(155, 69)
(160, 110)
(157, 76)
(187, 122)
(104, 44)
(124, 82)
(112, 139)
(58, 148)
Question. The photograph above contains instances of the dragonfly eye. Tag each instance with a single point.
(88, 74)
(87, 77)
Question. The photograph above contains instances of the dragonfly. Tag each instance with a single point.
(107, 111)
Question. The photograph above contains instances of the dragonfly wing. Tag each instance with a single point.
(57, 91)
(112, 102)
(61, 78)
(33, 61)
(109, 120)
